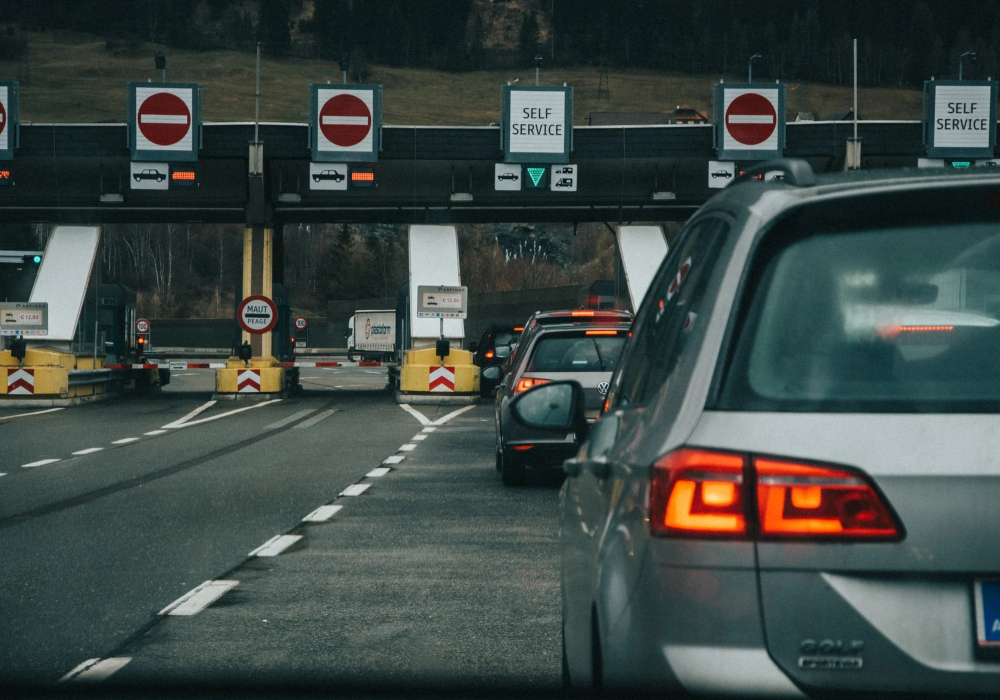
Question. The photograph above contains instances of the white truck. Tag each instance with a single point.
(371, 335)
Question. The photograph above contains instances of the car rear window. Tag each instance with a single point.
(504, 338)
(577, 352)
(903, 320)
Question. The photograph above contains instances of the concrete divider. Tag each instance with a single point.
(261, 377)
(424, 378)
(52, 377)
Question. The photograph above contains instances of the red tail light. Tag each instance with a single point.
(601, 332)
(698, 492)
(525, 384)
(798, 500)
(489, 354)
(579, 314)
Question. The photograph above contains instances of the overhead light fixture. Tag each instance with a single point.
(661, 196)
(461, 196)
(289, 198)
(112, 198)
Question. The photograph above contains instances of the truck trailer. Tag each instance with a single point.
(371, 335)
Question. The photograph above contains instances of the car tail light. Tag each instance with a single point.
(489, 354)
(799, 500)
(602, 332)
(525, 384)
(582, 313)
(524, 448)
(518, 329)
(698, 492)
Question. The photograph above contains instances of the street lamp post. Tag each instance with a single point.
(750, 67)
(961, 61)
(538, 66)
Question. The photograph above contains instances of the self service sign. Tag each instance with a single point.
(960, 118)
(537, 124)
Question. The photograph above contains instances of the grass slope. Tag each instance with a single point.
(74, 79)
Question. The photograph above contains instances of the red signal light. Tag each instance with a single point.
(182, 175)
(525, 384)
(362, 176)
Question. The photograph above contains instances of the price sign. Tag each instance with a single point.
(442, 302)
(24, 318)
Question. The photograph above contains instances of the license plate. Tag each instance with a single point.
(987, 595)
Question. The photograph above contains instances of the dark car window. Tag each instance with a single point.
(576, 352)
(504, 338)
(901, 319)
(670, 312)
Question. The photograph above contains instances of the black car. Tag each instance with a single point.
(498, 336)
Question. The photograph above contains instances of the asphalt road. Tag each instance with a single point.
(435, 574)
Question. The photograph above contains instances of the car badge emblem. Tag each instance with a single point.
(602, 388)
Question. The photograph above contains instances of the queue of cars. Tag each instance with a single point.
(792, 488)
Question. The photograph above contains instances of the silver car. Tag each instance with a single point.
(795, 489)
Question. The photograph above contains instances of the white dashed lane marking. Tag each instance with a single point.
(88, 451)
(419, 437)
(395, 459)
(39, 463)
(322, 514)
(355, 490)
(95, 669)
(408, 448)
(197, 599)
(275, 546)
(378, 471)
(155, 432)
(125, 441)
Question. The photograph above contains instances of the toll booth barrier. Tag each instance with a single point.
(422, 372)
(260, 376)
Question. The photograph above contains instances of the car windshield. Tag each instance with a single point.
(576, 352)
(902, 320)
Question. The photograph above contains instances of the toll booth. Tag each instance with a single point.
(114, 309)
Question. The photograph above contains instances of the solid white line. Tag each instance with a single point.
(424, 420)
(442, 421)
(285, 421)
(378, 471)
(224, 415)
(355, 490)
(275, 546)
(316, 419)
(419, 437)
(750, 119)
(321, 514)
(189, 416)
(88, 451)
(395, 459)
(428, 430)
(39, 463)
(163, 119)
(93, 670)
(4, 474)
(199, 598)
(33, 413)
(156, 432)
(125, 441)
(410, 447)
(344, 120)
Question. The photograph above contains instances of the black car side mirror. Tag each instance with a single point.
(474, 346)
(502, 351)
(555, 407)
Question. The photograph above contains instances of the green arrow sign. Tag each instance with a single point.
(536, 175)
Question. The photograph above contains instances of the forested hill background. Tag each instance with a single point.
(901, 43)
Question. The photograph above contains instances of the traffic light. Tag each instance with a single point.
(18, 348)
(34, 259)
(140, 345)
(538, 178)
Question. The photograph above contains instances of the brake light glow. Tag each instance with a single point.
(524, 448)
(489, 354)
(601, 333)
(518, 329)
(893, 331)
(581, 313)
(525, 384)
(698, 492)
(798, 500)
(704, 493)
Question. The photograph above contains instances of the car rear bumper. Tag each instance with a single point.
(541, 455)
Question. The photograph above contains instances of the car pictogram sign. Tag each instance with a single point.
(257, 314)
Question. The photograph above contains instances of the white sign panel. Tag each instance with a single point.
(962, 116)
(328, 176)
(150, 176)
(507, 176)
(720, 173)
(537, 121)
(751, 119)
(441, 302)
(346, 120)
(164, 119)
(24, 318)
(563, 178)
(4, 117)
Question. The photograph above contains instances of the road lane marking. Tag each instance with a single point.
(424, 420)
(189, 416)
(395, 459)
(419, 437)
(442, 421)
(4, 474)
(275, 546)
(39, 463)
(125, 441)
(322, 415)
(156, 432)
(409, 447)
(321, 514)
(378, 471)
(33, 413)
(287, 420)
(428, 430)
(223, 415)
(96, 669)
(199, 598)
(88, 451)
(355, 490)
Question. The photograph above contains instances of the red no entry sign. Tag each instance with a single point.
(3, 118)
(345, 120)
(751, 119)
(164, 119)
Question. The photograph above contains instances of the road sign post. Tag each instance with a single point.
(164, 121)
(749, 121)
(960, 118)
(345, 123)
(257, 314)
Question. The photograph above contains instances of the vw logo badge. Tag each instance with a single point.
(602, 388)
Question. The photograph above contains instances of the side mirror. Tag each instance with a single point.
(555, 407)
(493, 373)
(489, 379)
(502, 351)
(474, 346)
